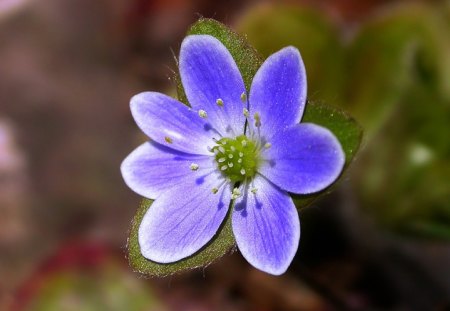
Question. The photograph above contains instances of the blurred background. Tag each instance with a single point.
(380, 241)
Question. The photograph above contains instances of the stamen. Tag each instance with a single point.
(222, 149)
(235, 194)
(194, 166)
(267, 145)
(219, 102)
(233, 148)
(257, 119)
(246, 112)
(254, 190)
(230, 164)
(221, 160)
(241, 154)
(202, 114)
(244, 97)
(224, 167)
(242, 171)
(244, 143)
(230, 156)
(239, 160)
(214, 190)
(168, 140)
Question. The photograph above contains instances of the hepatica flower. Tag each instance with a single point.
(230, 152)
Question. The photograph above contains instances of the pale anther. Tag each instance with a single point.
(233, 148)
(193, 166)
(254, 190)
(230, 164)
(268, 145)
(242, 171)
(257, 119)
(224, 167)
(244, 97)
(230, 156)
(239, 160)
(221, 149)
(202, 114)
(219, 102)
(221, 160)
(168, 139)
(246, 113)
(244, 143)
(214, 190)
(236, 193)
(241, 154)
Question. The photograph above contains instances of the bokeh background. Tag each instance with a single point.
(380, 241)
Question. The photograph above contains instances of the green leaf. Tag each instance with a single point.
(248, 62)
(221, 244)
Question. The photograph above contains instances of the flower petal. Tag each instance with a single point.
(278, 91)
(267, 227)
(208, 73)
(183, 220)
(153, 168)
(303, 159)
(171, 123)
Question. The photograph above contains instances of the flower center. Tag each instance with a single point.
(237, 158)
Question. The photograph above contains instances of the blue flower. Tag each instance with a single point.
(229, 150)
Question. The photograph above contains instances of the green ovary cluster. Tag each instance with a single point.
(237, 158)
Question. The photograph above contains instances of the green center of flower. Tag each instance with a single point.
(237, 158)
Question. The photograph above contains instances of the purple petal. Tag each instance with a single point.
(267, 227)
(152, 169)
(303, 159)
(183, 220)
(278, 91)
(208, 73)
(169, 122)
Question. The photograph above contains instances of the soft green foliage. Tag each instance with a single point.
(105, 288)
(248, 61)
(388, 56)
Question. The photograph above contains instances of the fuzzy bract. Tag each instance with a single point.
(229, 152)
